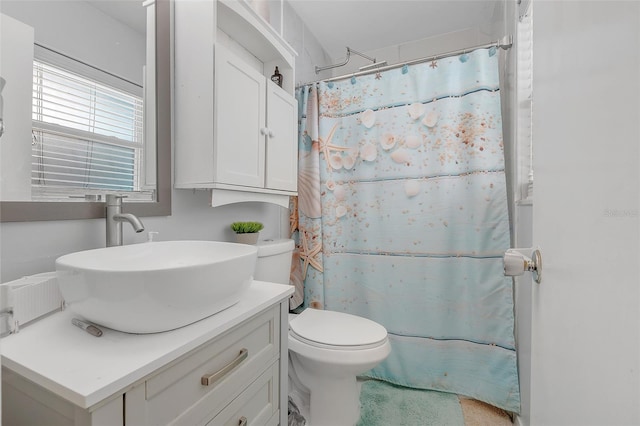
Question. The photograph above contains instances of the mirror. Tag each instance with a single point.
(154, 165)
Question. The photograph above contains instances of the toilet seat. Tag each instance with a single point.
(336, 330)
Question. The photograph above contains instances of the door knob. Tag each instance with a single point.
(516, 263)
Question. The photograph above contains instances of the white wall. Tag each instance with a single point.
(310, 53)
(32, 247)
(81, 31)
(586, 214)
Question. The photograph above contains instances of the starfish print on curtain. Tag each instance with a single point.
(309, 252)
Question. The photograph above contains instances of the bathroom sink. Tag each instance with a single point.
(157, 286)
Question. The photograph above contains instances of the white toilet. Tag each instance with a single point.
(327, 350)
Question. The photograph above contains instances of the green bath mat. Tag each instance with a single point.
(384, 404)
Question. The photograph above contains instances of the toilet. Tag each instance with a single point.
(327, 349)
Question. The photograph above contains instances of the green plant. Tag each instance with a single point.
(246, 227)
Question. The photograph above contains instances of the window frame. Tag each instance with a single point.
(26, 211)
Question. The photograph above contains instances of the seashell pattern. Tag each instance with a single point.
(348, 162)
(411, 188)
(431, 119)
(336, 161)
(388, 141)
(409, 203)
(369, 152)
(309, 184)
(416, 110)
(401, 156)
(368, 118)
(339, 192)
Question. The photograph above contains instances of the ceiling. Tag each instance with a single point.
(366, 25)
(363, 25)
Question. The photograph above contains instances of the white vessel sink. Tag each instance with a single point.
(158, 286)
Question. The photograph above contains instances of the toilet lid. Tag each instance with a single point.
(337, 328)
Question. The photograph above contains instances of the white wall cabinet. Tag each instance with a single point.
(235, 130)
(281, 157)
(254, 128)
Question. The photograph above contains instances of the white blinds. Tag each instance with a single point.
(86, 135)
(525, 100)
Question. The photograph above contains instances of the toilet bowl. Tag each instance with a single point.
(327, 349)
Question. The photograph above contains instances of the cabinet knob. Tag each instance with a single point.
(242, 421)
(271, 133)
(264, 131)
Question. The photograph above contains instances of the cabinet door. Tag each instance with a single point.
(239, 117)
(282, 141)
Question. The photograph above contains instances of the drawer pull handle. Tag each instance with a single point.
(210, 379)
(243, 421)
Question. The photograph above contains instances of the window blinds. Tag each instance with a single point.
(525, 103)
(86, 135)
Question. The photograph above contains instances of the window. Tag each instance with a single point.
(87, 135)
(524, 71)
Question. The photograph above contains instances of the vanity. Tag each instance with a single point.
(229, 368)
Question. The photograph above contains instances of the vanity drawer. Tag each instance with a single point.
(178, 394)
(256, 406)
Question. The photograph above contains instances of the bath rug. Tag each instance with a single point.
(384, 404)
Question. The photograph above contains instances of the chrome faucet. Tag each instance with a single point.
(115, 217)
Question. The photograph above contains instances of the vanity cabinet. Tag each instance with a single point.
(224, 370)
(244, 361)
(235, 130)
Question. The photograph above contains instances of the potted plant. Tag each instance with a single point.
(247, 232)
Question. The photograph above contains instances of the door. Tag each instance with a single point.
(585, 357)
(239, 110)
(282, 142)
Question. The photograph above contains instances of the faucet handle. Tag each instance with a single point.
(114, 199)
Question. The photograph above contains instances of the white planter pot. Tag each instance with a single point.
(251, 238)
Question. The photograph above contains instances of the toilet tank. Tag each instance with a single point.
(274, 261)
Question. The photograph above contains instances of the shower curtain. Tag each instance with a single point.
(403, 219)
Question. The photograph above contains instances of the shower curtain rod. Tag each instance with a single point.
(505, 43)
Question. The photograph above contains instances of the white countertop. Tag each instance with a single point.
(84, 369)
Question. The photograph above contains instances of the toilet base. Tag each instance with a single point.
(335, 402)
(301, 399)
(326, 400)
